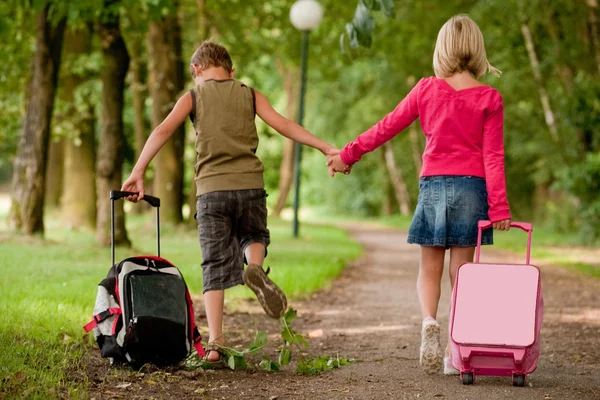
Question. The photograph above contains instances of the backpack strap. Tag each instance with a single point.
(96, 319)
(193, 113)
(198, 342)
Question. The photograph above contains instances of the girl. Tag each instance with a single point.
(462, 180)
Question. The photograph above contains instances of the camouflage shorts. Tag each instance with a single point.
(228, 222)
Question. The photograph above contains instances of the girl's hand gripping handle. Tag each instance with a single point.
(524, 226)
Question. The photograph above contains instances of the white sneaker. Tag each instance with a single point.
(431, 350)
(449, 368)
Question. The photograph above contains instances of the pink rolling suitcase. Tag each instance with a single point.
(496, 316)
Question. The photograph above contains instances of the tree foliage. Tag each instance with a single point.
(552, 165)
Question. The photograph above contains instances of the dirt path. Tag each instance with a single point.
(371, 313)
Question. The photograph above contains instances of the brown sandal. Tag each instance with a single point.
(220, 363)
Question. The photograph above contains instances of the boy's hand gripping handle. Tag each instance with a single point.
(117, 194)
(524, 226)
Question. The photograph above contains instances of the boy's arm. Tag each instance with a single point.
(289, 128)
(157, 139)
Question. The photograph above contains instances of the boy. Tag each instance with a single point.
(231, 205)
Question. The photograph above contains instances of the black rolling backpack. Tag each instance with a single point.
(143, 311)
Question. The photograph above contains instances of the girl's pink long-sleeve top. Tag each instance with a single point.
(463, 131)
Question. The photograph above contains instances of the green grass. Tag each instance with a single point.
(48, 290)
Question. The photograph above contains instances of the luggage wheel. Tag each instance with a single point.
(467, 378)
(518, 380)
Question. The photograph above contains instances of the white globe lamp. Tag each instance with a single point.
(306, 14)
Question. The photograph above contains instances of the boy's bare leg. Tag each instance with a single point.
(255, 254)
(429, 289)
(270, 296)
(213, 304)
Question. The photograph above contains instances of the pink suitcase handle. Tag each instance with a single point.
(524, 226)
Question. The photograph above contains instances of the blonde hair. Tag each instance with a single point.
(459, 47)
(211, 54)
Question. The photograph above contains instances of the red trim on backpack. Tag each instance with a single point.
(196, 339)
(114, 327)
(117, 289)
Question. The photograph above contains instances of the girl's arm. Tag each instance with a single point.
(493, 163)
(393, 123)
(157, 139)
(288, 128)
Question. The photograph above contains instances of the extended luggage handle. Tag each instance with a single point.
(116, 195)
(524, 226)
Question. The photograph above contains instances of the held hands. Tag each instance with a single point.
(335, 164)
(135, 183)
(503, 225)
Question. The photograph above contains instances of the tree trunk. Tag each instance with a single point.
(286, 170)
(166, 83)
(564, 71)
(54, 173)
(138, 91)
(203, 26)
(79, 192)
(397, 181)
(138, 94)
(593, 21)
(27, 210)
(112, 140)
(544, 99)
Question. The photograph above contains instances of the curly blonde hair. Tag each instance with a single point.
(459, 47)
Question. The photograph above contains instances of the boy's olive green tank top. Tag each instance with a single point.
(226, 137)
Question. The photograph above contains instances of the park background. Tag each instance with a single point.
(84, 82)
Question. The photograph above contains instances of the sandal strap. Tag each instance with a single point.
(266, 272)
(214, 347)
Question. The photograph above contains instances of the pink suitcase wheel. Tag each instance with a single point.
(518, 380)
(467, 378)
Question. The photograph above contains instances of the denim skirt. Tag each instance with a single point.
(448, 210)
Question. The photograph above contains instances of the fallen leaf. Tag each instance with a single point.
(273, 397)
(316, 333)
(19, 376)
(200, 391)
(123, 385)
(113, 394)
(150, 382)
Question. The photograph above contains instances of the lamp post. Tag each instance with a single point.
(305, 16)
